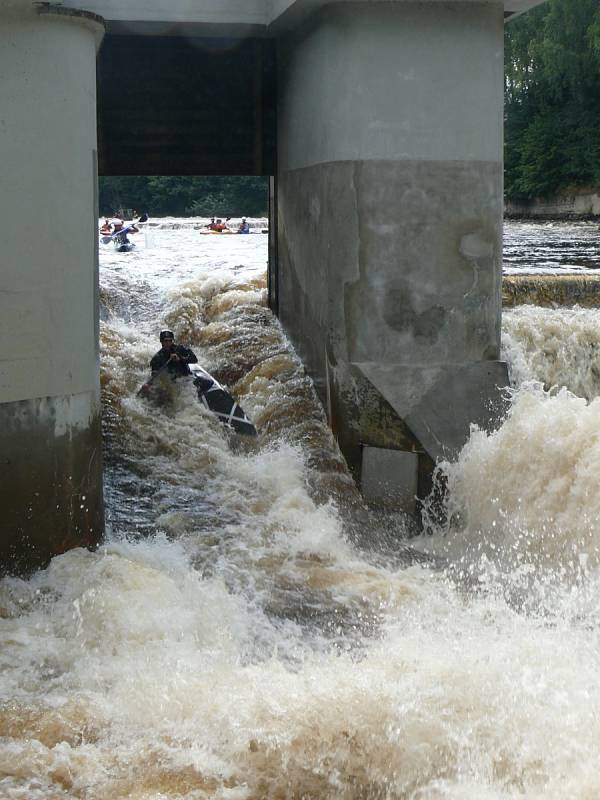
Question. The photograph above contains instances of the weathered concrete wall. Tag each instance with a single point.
(390, 204)
(578, 204)
(51, 488)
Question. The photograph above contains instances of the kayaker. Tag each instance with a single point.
(175, 357)
(105, 227)
(216, 225)
(120, 233)
(244, 227)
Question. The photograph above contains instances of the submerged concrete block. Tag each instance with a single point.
(389, 478)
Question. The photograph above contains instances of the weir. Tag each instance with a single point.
(381, 126)
(551, 290)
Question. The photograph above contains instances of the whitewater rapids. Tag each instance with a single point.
(236, 638)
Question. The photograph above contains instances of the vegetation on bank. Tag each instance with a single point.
(185, 196)
(552, 99)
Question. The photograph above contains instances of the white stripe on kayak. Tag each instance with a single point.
(232, 412)
(227, 417)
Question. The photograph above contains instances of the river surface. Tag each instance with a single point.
(248, 630)
(550, 247)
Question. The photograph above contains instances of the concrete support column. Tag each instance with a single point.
(50, 438)
(390, 220)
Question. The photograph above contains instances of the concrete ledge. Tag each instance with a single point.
(76, 14)
(276, 15)
(88, 18)
(440, 403)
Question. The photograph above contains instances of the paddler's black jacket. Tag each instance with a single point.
(175, 368)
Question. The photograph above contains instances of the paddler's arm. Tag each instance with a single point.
(156, 363)
(186, 355)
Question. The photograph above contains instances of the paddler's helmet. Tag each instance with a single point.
(166, 335)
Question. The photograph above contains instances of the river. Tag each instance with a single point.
(248, 630)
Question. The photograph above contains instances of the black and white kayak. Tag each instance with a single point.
(210, 393)
(218, 400)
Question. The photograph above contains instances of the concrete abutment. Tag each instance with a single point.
(51, 487)
(390, 227)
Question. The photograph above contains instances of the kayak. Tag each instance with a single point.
(124, 248)
(218, 400)
(211, 394)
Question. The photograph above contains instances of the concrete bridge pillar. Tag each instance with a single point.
(390, 227)
(50, 439)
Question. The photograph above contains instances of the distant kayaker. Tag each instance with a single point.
(105, 228)
(244, 227)
(175, 357)
(119, 232)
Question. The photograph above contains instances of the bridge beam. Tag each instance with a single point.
(50, 441)
(390, 222)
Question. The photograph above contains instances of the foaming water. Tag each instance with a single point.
(234, 638)
(526, 493)
(557, 347)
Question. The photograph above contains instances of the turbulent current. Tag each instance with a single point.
(249, 630)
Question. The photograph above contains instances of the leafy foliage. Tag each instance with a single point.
(181, 196)
(552, 99)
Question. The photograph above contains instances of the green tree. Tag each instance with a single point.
(183, 195)
(552, 99)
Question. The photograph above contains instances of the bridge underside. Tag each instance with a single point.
(186, 105)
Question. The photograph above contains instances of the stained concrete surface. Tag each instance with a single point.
(51, 488)
(389, 478)
(391, 261)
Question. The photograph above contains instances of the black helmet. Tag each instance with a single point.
(166, 335)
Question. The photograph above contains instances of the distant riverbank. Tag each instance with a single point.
(580, 204)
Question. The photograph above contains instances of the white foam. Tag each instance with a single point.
(558, 347)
